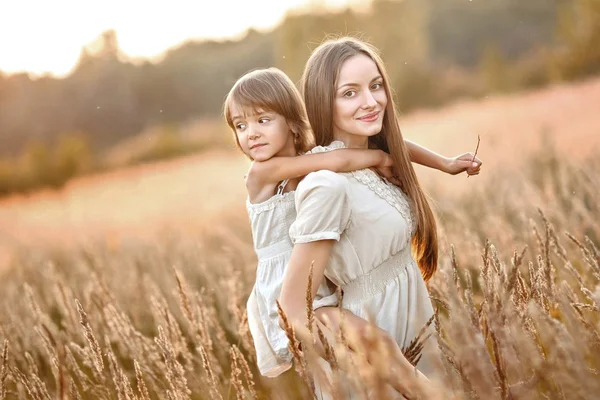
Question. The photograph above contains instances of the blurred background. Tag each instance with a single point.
(125, 249)
(110, 113)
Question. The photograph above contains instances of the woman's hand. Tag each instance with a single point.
(464, 162)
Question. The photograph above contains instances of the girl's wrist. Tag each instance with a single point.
(445, 164)
(382, 157)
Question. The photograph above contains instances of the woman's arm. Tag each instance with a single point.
(382, 348)
(453, 166)
(277, 169)
(293, 301)
(296, 278)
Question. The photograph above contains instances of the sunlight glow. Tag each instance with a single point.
(40, 36)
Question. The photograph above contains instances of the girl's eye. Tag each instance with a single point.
(350, 93)
(263, 120)
(376, 86)
(240, 127)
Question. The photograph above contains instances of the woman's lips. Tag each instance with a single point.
(370, 117)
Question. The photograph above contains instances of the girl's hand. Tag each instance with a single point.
(386, 170)
(386, 161)
(462, 163)
(389, 174)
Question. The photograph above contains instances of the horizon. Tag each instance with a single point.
(42, 50)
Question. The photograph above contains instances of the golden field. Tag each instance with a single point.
(132, 284)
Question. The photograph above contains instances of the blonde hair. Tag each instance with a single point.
(319, 83)
(271, 90)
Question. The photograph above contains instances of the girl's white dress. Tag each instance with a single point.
(372, 222)
(270, 222)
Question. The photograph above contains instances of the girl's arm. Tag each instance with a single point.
(277, 169)
(293, 303)
(453, 166)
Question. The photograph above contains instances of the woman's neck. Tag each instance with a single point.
(353, 141)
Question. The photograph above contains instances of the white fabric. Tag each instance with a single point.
(372, 221)
(270, 222)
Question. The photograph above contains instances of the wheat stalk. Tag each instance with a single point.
(89, 335)
(4, 370)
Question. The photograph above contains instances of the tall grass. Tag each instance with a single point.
(517, 298)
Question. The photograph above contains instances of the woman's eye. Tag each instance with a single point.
(377, 86)
(349, 93)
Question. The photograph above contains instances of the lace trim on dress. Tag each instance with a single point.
(322, 149)
(267, 205)
(384, 189)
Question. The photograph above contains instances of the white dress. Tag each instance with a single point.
(372, 222)
(270, 222)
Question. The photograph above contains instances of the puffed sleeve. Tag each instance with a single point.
(322, 206)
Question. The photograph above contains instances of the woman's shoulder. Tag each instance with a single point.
(325, 181)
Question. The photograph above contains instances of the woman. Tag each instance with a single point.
(355, 228)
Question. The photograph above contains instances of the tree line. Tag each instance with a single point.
(435, 52)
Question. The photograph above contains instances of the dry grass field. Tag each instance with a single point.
(132, 284)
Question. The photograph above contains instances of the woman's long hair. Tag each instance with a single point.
(319, 83)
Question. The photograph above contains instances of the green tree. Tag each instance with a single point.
(578, 30)
(299, 35)
(494, 69)
(72, 156)
(36, 166)
(7, 177)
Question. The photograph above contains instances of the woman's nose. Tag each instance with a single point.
(369, 101)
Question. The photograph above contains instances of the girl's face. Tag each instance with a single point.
(360, 101)
(263, 135)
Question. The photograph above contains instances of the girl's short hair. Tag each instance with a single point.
(271, 90)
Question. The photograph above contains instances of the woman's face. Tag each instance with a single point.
(359, 103)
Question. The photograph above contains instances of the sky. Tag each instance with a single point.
(46, 36)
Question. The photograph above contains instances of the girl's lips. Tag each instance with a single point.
(370, 117)
(256, 146)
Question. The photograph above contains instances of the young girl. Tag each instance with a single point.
(267, 115)
(265, 111)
